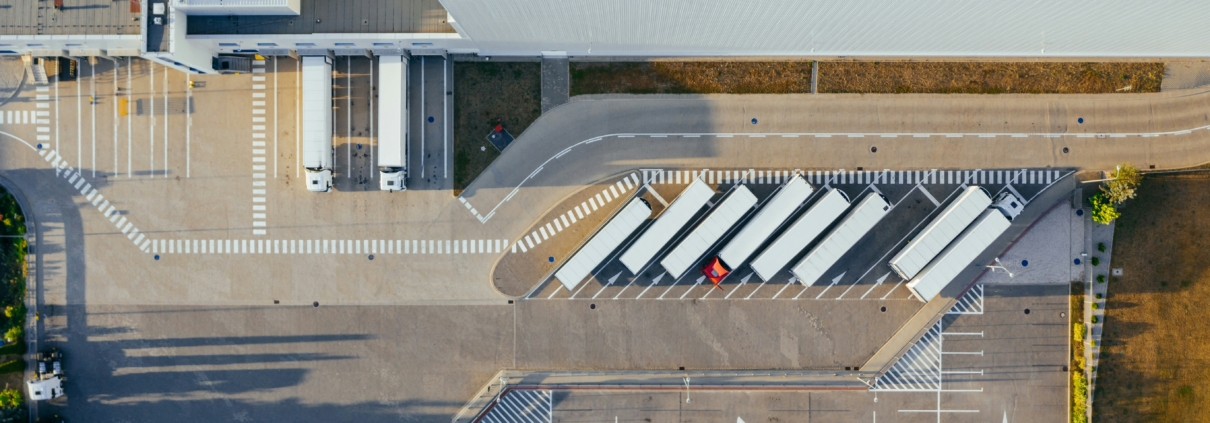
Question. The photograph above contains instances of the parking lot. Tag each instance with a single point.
(861, 273)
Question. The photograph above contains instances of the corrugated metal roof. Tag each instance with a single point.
(959, 254)
(683, 208)
(76, 17)
(335, 17)
(800, 234)
(868, 212)
(704, 236)
(761, 226)
(1118, 28)
(940, 232)
(605, 241)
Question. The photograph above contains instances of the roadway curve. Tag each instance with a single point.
(1167, 130)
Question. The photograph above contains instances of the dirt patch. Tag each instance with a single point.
(989, 78)
(864, 77)
(508, 93)
(690, 77)
(1155, 346)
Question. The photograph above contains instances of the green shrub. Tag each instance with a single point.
(14, 366)
(1096, 261)
(1103, 210)
(10, 398)
(1100, 278)
(1126, 179)
(1095, 319)
(13, 334)
(1099, 296)
(1101, 247)
(1079, 397)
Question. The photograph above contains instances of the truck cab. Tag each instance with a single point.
(392, 179)
(319, 180)
(47, 383)
(1008, 204)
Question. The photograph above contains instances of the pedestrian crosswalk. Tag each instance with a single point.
(73, 177)
(576, 213)
(843, 176)
(521, 406)
(259, 163)
(969, 303)
(329, 246)
(919, 369)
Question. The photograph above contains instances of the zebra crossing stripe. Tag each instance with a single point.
(315, 246)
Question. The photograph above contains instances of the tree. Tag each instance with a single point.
(1103, 210)
(13, 334)
(10, 398)
(1126, 179)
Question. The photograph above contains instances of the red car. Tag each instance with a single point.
(715, 270)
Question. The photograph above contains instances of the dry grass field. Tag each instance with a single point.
(864, 77)
(1155, 360)
(489, 92)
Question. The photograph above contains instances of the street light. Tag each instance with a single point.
(1000, 266)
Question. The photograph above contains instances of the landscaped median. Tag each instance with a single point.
(13, 273)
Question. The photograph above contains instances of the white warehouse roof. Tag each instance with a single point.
(850, 230)
(605, 241)
(683, 208)
(934, 28)
(938, 234)
(959, 254)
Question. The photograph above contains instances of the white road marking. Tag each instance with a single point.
(166, 127)
(92, 100)
(129, 120)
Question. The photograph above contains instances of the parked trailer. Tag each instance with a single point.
(724, 216)
(940, 232)
(683, 208)
(317, 122)
(855, 225)
(392, 123)
(606, 240)
(800, 234)
(965, 248)
(767, 220)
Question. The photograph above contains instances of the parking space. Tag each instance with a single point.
(431, 126)
(861, 273)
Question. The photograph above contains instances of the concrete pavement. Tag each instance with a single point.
(181, 167)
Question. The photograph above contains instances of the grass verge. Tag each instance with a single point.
(13, 366)
(864, 77)
(1079, 382)
(508, 93)
(1155, 351)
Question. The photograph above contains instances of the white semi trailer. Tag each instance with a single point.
(851, 229)
(660, 233)
(940, 232)
(965, 248)
(589, 256)
(800, 234)
(317, 154)
(392, 123)
(770, 217)
(694, 246)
